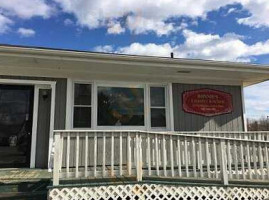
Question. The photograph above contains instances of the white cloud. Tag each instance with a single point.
(68, 22)
(138, 49)
(152, 15)
(24, 32)
(137, 15)
(231, 10)
(115, 28)
(4, 23)
(229, 47)
(146, 49)
(26, 8)
(105, 49)
(259, 13)
(140, 25)
(213, 47)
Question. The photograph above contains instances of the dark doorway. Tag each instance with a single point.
(16, 116)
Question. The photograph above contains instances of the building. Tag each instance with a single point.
(131, 127)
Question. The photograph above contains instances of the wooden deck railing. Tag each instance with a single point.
(115, 154)
(250, 135)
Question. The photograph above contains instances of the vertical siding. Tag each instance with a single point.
(43, 129)
(60, 102)
(191, 122)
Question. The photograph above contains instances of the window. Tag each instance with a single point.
(82, 105)
(120, 106)
(103, 105)
(157, 107)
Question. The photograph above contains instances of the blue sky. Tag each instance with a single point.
(226, 30)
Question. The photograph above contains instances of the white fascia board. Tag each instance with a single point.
(130, 59)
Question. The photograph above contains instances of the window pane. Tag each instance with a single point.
(157, 96)
(158, 118)
(82, 117)
(120, 106)
(83, 94)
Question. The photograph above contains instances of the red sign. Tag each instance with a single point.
(207, 102)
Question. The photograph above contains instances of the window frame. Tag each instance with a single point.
(73, 105)
(147, 105)
(166, 107)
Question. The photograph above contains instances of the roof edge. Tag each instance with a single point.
(43, 51)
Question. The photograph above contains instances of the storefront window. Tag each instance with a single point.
(119, 106)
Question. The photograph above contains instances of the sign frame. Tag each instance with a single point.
(186, 108)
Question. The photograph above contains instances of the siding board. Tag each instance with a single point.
(191, 122)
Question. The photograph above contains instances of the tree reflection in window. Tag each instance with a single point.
(118, 106)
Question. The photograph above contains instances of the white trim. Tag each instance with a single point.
(166, 107)
(244, 109)
(25, 82)
(94, 105)
(34, 127)
(54, 54)
(52, 113)
(72, 103)
(37, 85)
(171, 106)
(147, 107)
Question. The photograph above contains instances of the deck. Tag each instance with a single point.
(219, 157)
(148, 165)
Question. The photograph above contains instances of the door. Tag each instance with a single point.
(16, 117)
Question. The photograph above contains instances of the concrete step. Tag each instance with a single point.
(24, 184)
(24, 190)
(24, 196)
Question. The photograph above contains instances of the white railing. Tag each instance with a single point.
(115, 154)
(250, 135)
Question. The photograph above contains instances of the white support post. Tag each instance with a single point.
(56, 162)
(129, 159)
(138, 157)
(223, 162)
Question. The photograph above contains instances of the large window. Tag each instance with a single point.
(82, 105)
(119, 106)
(129, 106)
(157, 107)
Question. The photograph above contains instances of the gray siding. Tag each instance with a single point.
(60, 102)
(43, 129)
(192, 122)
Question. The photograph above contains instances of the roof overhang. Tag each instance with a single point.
(64, 63)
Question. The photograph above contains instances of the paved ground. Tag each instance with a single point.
(23, 175)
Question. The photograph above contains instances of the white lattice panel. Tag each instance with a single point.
(158, 192)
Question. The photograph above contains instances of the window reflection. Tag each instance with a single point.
(119, 106)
